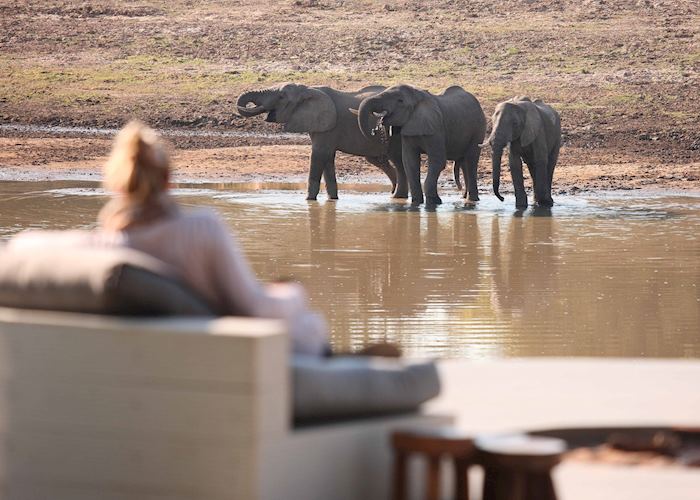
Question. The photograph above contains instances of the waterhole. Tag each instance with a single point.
(607, 275)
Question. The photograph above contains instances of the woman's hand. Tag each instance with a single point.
(288, 291)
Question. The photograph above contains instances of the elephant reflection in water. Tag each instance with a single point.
(585, 299)
(525, 262)
(390, 266)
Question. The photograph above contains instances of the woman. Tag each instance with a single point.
(142, 215)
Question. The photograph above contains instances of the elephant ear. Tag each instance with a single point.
(315, 112)
(533, 123)
(426, 119)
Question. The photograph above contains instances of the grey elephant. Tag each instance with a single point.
(325, 114)
(532, 130)
(449, 126)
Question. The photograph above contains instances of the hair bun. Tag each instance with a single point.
(138, 165)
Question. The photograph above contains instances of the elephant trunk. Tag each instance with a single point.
(365, 118)
(496, 154)
(253, 96)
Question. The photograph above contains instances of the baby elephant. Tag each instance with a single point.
(532, 130)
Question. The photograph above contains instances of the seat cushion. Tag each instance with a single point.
(113, 280)
(356, 386)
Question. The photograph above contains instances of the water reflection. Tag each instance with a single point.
(398, 261)
(525, 262)
(523, 256)
(604, 289)
(608, 276)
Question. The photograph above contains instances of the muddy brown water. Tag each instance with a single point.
(613, 275)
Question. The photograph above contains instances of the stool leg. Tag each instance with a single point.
(399, 487)
(461, 479)
(504, 484)
(433, 486)
(519, 483)
(491, 481)
(540, 487)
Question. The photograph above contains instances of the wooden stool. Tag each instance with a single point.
(518, 467)
(434, 444)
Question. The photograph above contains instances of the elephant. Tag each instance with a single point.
(325, 114)
(449, 126)
(532, 130)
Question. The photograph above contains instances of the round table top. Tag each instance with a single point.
(434, 442)
(520, 445)
(447, 432)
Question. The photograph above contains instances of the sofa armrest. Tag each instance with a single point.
(156, 405)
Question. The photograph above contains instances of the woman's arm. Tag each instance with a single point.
(242, 293)
(239, 290)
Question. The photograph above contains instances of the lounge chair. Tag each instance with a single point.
(112, 407)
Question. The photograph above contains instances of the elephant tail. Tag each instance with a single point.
(456, 175)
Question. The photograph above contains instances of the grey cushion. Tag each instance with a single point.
(354, 386)
(93, 280)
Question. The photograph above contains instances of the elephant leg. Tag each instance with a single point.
(532, 172)
(461, 166)
(410, 156)
(436, 164)
(401, 190)
(541, 181)
(329, 178)
(551, 163)
(543, 178)
(516, 172)
(471, 162)
(319, 160)
(383, 164)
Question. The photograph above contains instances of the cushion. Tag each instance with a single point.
(357, 386)
(113, 280)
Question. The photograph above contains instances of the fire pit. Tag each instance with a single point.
(638, 446)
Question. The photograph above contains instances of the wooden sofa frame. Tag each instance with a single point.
(178, 409)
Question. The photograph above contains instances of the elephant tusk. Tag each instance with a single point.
(380, 115)
(355, 112)
(487, 142)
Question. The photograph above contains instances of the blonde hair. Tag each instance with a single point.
(138, 166)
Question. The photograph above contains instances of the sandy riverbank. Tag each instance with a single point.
(624, 75)
(33, 158)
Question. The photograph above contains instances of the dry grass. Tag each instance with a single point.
(625, 68)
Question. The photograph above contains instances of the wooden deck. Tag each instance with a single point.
(541, 393)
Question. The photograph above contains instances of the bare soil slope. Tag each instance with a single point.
(625, 75)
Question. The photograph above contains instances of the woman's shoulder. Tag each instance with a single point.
(200, 214)
(201, 218)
